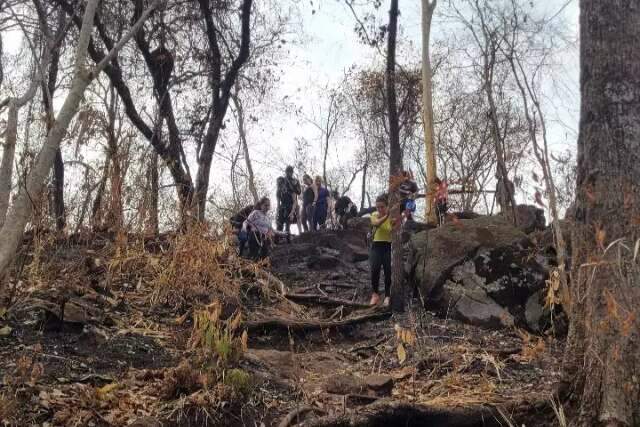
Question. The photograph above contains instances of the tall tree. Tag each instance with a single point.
(602, 357)
(395, 163)
(428, 6)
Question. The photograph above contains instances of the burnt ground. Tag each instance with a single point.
(101, 334)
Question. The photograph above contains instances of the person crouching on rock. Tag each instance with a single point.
(380, 252)
(238, 226)
(260, 230)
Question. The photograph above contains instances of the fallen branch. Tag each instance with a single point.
(310, 325)
(293, 417)
(324, 300)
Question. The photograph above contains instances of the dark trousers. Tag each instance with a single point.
(380, 259)
(283, 221)
(319, 216)
(259, 246)
(441, 211)
(307, 217)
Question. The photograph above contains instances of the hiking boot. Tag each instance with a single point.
(375, 299)
(387, 302)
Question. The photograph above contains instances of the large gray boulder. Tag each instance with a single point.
(481, 271)
(434, 253)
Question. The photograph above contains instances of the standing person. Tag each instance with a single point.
(308, 197)
(408, 189)
(380, 252)
(260, 230)
(441, 199)
(320, 205)
(288, 192)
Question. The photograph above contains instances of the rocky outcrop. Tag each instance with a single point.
(530, 218)
(482, 271)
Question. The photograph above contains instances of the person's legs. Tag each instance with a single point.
(254, 246)
(375, 261)
(310, 214)
(281, 217)
(305, 218)
(386, 266)
(265, 248)
(321, 213)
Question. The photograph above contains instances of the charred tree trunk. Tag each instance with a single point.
(602, 357)
(221, 89)
(153, 178)
(395, 164)
(245, 148)
(58, 208)
(96, 208)
(58, 191)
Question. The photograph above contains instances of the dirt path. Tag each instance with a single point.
(118, 357)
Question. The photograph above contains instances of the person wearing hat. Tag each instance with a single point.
(288, 192)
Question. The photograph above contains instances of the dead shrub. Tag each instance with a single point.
(182, 380)
(8, 408)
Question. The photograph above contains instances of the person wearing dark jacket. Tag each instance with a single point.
(237, 223)
(288, 192)
(344, 209)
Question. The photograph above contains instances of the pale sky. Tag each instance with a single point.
(328, 48)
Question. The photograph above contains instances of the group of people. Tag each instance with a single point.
(308, 208)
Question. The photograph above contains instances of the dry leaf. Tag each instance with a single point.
(244, 340)
(6, 331)
(235, 322)
(405, 336)
(402, 353)
(102, 392)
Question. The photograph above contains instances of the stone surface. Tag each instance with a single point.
(482, 271)
(436, 252)
(530, 218)
(345, 384)
(381, 384)
(534, 312)
(465, 299)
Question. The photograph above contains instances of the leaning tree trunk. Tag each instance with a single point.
(427, 107)
(395, 165)
(13, 228)
(602, 357)
(8, 154)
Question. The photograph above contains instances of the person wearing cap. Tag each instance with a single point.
(287, 195)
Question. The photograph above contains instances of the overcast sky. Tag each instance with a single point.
(332, 46)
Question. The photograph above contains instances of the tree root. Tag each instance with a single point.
(294, 416)
(301, 325)
(324, 300)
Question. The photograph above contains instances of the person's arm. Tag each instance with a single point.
(316, 191)
(378, 221)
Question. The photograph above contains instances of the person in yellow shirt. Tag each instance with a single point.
(380, 252)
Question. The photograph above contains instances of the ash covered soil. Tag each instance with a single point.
(108, 330)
